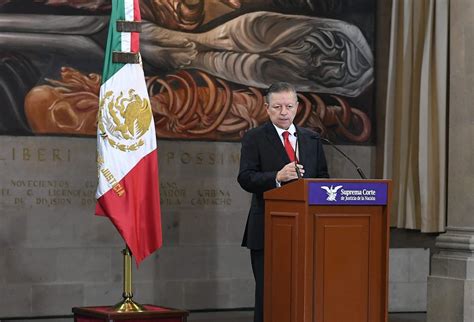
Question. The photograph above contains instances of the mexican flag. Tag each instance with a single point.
(127, 159)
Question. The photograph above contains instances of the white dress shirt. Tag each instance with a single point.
(292, 138)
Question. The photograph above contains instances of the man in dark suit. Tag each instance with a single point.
(268, 159)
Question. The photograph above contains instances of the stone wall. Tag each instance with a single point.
(55, 254)
(408, 274)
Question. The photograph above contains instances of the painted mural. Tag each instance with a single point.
(207, 62)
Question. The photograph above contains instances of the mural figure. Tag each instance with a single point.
(261, 48)
(205, 67)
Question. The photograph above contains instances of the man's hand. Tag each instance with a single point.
(288, 172)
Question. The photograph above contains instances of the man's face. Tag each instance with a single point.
(282, 108)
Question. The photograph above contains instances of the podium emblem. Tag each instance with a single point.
(331, 192)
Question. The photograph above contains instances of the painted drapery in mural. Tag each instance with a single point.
(207, 65)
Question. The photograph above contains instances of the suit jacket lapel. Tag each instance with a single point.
(275, 142)
(303, 146)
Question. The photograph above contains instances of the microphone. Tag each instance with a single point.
(359, 170)
(298, 172)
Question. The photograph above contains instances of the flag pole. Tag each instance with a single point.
(126, 132)
(127, 304)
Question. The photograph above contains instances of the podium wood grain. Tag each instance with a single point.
(324, 263)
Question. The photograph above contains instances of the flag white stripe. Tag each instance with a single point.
(129, 16)
(118, 162)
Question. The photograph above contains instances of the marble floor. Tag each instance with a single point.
(228, 316)
(246, 316)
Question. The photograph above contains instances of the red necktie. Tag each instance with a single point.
(288, 147)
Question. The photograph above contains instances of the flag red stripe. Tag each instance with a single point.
(137, 214)
(135, 41)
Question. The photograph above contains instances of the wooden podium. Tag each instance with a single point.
(326, 251)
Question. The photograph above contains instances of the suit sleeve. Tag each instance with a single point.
(251, 176)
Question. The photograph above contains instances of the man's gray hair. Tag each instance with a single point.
(279, 88)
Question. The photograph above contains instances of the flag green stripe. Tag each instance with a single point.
(113, 40)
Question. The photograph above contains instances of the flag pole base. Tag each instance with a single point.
(127, 305)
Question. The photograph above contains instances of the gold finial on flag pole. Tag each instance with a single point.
(127, 304)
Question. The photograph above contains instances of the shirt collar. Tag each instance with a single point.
(291, 129)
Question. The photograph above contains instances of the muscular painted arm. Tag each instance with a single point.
(260, 48)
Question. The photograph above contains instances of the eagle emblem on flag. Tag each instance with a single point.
(123, 120)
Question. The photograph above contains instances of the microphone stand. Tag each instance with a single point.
(359, 170)
(298, 172)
